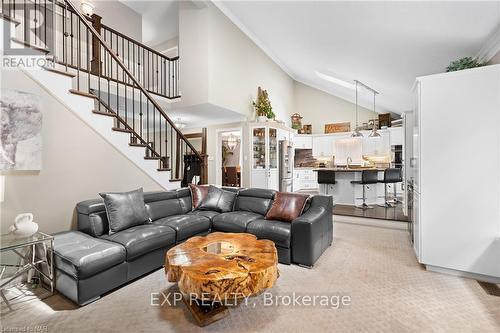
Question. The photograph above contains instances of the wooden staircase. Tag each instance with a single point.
(115, 81)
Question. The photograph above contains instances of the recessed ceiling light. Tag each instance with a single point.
(335, 80)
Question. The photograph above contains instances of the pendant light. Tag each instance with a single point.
(356, 133)
(232, 141)
(374, 133)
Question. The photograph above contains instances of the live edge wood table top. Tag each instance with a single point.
(223, 265)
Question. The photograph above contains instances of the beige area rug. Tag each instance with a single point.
(374, 266)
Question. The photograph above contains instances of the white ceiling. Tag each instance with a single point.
(383, 44)
(160, 19)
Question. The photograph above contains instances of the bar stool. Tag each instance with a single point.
(326, 177)
(367, 177)
(391, 176)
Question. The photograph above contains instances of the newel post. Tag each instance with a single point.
(96, 63)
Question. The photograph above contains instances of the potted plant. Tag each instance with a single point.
(463, 63)
(262, 106)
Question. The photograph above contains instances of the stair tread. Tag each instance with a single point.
(151, 157)
(31, 46)
(104, 113)
(118, 129)
(53, 70)
(81, 93)
(164, 169)
(9, 18)
(137, 145)
(176, 180)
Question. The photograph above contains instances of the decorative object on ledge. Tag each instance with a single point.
(307, 129)
(337, 127)
(262, 106)
(384, 119)
(296, 121)
(21, 139)
(463, 63)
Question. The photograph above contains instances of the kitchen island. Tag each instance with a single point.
(344, 192)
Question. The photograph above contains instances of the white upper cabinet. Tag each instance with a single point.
(302, 142)
(323, 146)
(397, 135)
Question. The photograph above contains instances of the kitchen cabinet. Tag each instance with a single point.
(396, 136)
(305, 179)
(302, 142)
(322, 146)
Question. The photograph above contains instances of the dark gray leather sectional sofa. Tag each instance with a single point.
(90, 262)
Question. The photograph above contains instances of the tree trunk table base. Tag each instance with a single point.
(206, 314)
(220, 268)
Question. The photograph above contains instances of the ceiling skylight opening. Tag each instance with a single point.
(335, 80)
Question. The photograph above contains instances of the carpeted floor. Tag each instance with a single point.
(374, 266)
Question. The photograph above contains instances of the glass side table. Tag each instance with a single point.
(26, 250)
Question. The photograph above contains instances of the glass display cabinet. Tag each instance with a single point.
(264, 146)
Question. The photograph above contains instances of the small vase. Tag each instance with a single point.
(261, 119)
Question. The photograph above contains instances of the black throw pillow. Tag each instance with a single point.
(218, 200)
(124, 210)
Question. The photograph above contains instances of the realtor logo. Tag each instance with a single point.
(33, 25)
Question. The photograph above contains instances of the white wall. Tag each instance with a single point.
(193, 53)
(319, 108)
(119, 17)
(221, 66)
(77, 164)
(237, 67)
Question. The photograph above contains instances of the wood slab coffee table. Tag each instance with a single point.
(220, 268)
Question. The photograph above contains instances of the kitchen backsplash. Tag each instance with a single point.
(304, 159)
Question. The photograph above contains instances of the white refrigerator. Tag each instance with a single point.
(456, 172)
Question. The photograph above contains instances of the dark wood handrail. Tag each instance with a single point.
(105, 27)
(132, 77)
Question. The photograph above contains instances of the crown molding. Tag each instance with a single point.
(220, 5)
(491, 47)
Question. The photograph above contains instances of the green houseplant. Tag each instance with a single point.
(463, 63)
(262, 105)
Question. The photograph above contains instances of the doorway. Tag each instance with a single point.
(229, 156)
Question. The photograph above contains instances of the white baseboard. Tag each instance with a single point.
(468, 275)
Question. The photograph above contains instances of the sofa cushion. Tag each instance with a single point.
(184, 196)
(143, 239)
(81, 256)
(124, 210)
(162, 204)
(218, 200)
(277, 231)
(254, 200)
(287, 206)
(234, 221)
(207, 213)
(198, 193)
(185, 226)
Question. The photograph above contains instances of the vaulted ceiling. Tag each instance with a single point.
(383, 44)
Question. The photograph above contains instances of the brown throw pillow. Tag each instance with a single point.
(198, 194)
(287, 206)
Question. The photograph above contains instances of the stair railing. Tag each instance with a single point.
(157, 72)
(117, 91)
(145, 119)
